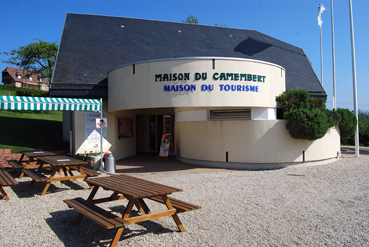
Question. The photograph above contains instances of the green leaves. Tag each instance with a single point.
(348, 123)
(307, 124)
(38, 57)
(308, 119)
(191, 19)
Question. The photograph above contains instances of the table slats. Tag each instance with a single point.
(132, 187)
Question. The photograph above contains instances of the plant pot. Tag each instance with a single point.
(96, 162)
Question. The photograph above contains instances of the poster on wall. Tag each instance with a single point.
(125, 127)
(92, 133)
(165, 144)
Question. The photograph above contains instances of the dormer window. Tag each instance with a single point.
(19, 77)
(40, 79)
(30, 78)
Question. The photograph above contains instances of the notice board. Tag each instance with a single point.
(165, 144)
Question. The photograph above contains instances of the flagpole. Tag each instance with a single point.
(354, 80)
(333, 60)
(321, 56)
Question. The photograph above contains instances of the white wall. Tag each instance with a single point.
(253, 142)
(136, 86)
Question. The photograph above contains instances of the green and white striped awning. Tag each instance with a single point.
(48, 104)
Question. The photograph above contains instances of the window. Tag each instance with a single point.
(40, 79)
(30, 78)
(230, 114)
(19, 76)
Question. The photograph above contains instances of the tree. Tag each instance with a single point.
(191, 19)
(38, 57)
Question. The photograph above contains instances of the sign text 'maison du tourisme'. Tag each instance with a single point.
(222, 78)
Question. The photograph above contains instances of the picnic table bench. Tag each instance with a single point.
(28, 160)
(135, 190)
(6, 180)
(55, 164)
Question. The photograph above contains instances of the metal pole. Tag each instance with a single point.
(333, 60)
(321, 55)
(101, 141)
(354, 80)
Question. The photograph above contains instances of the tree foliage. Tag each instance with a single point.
(37, 57)
(334, 118)
(191, 19)
(294, 99)
(308, 119)
(348, 123)
(307, 124)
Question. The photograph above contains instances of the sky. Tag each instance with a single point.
(291, 21)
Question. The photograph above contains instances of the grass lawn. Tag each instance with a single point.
(5, 90)
(31, 130)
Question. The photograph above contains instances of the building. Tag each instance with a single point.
(212, 88)
(20, 78)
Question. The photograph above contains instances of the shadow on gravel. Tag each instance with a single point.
(24, 189)
(89, 233)
(351, 150)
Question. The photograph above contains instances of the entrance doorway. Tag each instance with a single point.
(150, 129)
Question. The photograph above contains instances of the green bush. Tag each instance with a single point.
(31, 92)
(334, 118)
(294, 99)
(307, 124)
(317, 103)
(348, 123)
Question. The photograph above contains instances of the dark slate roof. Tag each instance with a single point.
(92, 45)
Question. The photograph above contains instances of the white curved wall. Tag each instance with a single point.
(154, 84)
(183, 85)
(256, 143)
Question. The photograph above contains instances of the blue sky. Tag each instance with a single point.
(291, 21)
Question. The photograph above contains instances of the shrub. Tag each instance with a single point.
(317, 103)
(31, 92)
(307, 124)
(348, 123)
(294, 99)
(334, 118)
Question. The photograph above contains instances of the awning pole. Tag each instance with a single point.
(101, 140)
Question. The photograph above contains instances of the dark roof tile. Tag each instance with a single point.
(92, 45)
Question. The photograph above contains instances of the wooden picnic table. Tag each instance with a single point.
(135, 190)
(54, 164)
(32, 155)
(28, 160)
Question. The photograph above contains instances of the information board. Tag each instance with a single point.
(165, 144)
(92, 134)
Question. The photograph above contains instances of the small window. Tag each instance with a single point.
(19, 77)
(230, 114)
(30, 78)
(40, 79)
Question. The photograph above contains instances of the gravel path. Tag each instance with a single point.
(316, 205)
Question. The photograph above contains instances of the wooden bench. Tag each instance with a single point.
(6, 180)
(35, 175)
(179, 205)
(106, 219)
(88, 172)
(102, 217)
(16, 164)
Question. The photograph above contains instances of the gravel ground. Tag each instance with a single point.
(316, 205)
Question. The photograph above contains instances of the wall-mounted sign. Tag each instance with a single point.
(216, 77)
